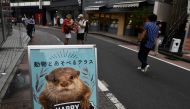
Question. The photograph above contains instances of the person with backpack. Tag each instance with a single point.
(67, 27)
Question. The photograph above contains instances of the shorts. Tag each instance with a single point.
(68, 35)
(80, 36)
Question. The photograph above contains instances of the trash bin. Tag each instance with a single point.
(174, 47)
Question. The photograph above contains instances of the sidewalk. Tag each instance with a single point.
(19, 96)
(133, 40)
(11, 53)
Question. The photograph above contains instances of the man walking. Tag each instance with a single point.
(30, 26)
(147, 39)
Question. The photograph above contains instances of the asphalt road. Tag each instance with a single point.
(164, 87)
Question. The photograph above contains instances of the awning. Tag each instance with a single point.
(127, 4)
(22, 4)
(93, 8)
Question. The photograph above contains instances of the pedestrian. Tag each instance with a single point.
(147, 41)
(34, 29)
(158, 40)
(81, 29)
(67, 27)
(61, 20)
(30, 26)
(86, 30)
(24, 19)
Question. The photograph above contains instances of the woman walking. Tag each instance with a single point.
(67, 27)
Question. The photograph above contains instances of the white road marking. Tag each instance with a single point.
(157, 58)
(102, 86)
(58, 39)
(111, 97)
(115, 101)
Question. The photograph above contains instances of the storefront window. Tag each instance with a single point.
(104, 23)
(134, 22)
(94, 22)
(113, 25)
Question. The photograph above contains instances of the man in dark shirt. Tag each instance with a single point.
(148, 36)
(30, 22)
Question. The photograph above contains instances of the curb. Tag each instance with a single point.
(123, 40)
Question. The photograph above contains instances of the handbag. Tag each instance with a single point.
(75, 28)
(62, 29)
(67, 29)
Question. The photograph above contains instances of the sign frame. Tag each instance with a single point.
(63, 47)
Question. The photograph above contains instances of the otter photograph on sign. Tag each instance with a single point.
(63, 77)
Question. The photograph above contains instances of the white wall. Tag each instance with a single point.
(162, 10)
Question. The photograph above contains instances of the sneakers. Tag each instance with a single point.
(139, 68)
(145, 69)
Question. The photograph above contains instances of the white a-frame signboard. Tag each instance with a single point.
(63, 76)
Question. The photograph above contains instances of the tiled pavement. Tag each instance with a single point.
(10, 55)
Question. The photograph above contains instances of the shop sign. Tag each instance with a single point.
(63, 77)
(126, 5)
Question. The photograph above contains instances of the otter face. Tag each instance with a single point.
(62, 79)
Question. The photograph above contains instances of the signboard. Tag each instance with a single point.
(63, 77)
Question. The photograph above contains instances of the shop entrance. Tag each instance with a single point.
(109, 23)
(104, 24)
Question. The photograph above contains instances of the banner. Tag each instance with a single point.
(63, 77)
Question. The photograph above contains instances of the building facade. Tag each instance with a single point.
(5, 20)
(122, 18)
(46, 12)
(175, 11)
(125, 18)
(60, 8)
(37, 8)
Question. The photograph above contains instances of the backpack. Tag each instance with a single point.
(65, 29)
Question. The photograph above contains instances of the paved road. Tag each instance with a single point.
(165, 87)
(19, 93)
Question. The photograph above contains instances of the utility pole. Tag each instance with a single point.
(80, 2)
(40, 4)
